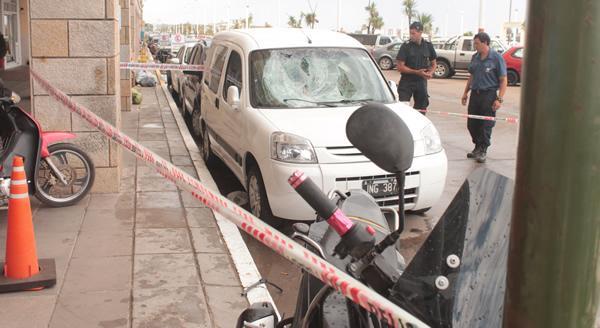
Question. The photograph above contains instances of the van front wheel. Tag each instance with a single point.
(257, 196)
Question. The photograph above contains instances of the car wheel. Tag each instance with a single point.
(442, 70)
(184, 110)
(513, 77)
(385, 63)
(196, 124)
(257, 196)
(207, 154)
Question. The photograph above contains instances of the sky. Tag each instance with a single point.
(446, 13)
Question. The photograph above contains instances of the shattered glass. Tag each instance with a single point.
(315, 77)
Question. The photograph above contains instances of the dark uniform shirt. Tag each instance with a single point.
(486, 73)
(416, 56)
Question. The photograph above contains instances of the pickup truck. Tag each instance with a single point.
(456, 55)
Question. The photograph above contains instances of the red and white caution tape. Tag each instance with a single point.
(477, 117)
(273, 239)
(162, 67)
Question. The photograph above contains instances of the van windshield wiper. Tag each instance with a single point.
(349, 101)
(319, 103)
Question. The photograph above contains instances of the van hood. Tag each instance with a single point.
(326, 127)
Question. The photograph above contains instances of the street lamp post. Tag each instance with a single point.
(480, 27)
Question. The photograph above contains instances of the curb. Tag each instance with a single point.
(242, 259)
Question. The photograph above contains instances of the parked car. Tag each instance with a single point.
(373, 40)
(457, 53)
(174, 78)
(386, 56)
(190, 87)
(274, 101)
(514, 61)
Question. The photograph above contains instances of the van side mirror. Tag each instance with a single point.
(233, 96)
(394, 88)
(174, 61)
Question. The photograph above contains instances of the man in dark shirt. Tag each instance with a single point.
(487, 83)
(416, 60)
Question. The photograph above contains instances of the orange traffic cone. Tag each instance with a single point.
(21, 255)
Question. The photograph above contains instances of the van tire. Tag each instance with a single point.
(257, 196)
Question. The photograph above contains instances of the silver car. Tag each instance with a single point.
(386, 56)
(174, 78)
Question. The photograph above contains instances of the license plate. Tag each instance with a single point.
(381, 187)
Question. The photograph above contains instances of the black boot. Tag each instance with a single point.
(481, 156)
(474, 152)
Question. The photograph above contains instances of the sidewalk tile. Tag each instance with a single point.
(165, 271)
(226, 304)
(108, 219)
(208, 240)
(98, 274)
(169, 199)
(190, 201)
(30, 312)
(217, 270)
(111, 201)
(171, 307)
(161, 241)
(97, 309)
(200, 218)
(154, 184)
(181, 160)
(104, 243)
(63, 219)
(160, 218)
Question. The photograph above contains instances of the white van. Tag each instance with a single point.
(274, 101)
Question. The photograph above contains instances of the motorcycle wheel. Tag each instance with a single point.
(77, 168)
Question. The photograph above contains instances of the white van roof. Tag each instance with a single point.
(273, 38)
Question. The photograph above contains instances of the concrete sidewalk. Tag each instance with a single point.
(149, 256)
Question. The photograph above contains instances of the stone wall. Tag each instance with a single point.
(74, 45)
(131, 25)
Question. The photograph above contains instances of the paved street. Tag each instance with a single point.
(445, 96)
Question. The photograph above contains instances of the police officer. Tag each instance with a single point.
(487, 83)
(416, 60)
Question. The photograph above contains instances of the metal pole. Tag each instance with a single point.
(480, 27)
(247, 14)
(278, 13)
(553, 275)
(509, 11)
(339, 15)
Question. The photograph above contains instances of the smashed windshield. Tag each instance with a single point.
(314, 77)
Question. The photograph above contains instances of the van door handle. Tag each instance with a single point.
(462, 53)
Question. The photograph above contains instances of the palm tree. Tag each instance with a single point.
(293, 22)
(427, 21)
(409, 9)
(311, 19)
(375, 21)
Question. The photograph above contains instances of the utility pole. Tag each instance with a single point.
(509, 11)
(247, 14)
(339, 15)
(480, 27)
(554, 255)
(278, 13)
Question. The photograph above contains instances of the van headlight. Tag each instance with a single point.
(431, 140)
(291, 148)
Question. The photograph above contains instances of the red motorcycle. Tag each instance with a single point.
(59, 174)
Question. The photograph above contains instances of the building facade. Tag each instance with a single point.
(77, 46)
